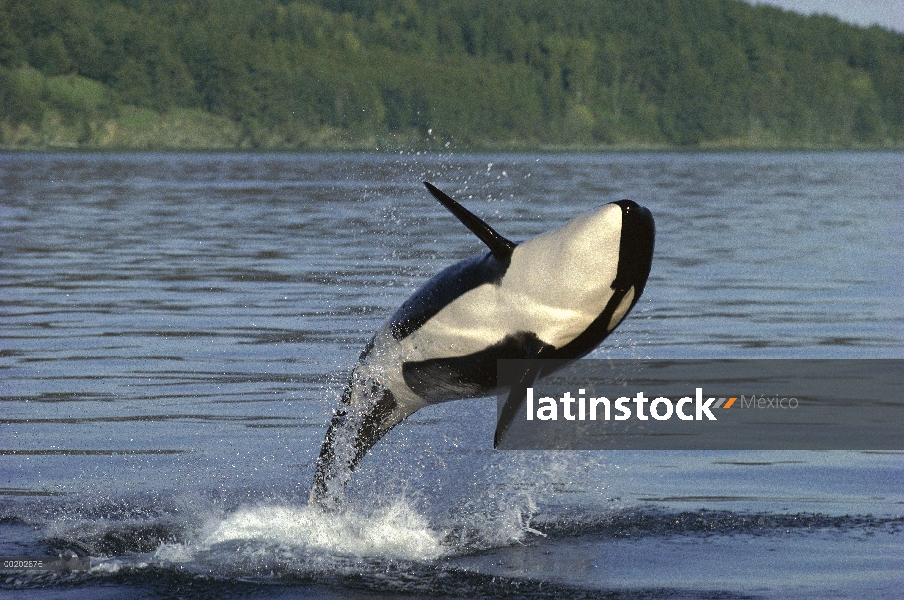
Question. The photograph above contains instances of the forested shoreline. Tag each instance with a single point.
(462, 74)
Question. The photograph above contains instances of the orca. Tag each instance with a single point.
(553, 297)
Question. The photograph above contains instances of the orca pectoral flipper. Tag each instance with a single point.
(530, 371)
(501, 247)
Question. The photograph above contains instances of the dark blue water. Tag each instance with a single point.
(175, 330)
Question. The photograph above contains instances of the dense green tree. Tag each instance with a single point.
(521, 71)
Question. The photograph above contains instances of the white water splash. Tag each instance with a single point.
(395, 532)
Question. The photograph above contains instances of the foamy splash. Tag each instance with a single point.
(395, 531)
(272, 539)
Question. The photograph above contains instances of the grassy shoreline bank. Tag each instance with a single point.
(193, 130)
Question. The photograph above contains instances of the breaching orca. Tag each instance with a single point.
(556, 296)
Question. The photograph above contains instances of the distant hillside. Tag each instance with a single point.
(507, 74)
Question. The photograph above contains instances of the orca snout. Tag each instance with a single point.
(637, 218)
(635, 256)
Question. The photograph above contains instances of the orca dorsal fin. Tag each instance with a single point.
(501, 247)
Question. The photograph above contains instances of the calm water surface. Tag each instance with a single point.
(175, 330)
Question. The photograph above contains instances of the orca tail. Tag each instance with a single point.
(501, 247)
